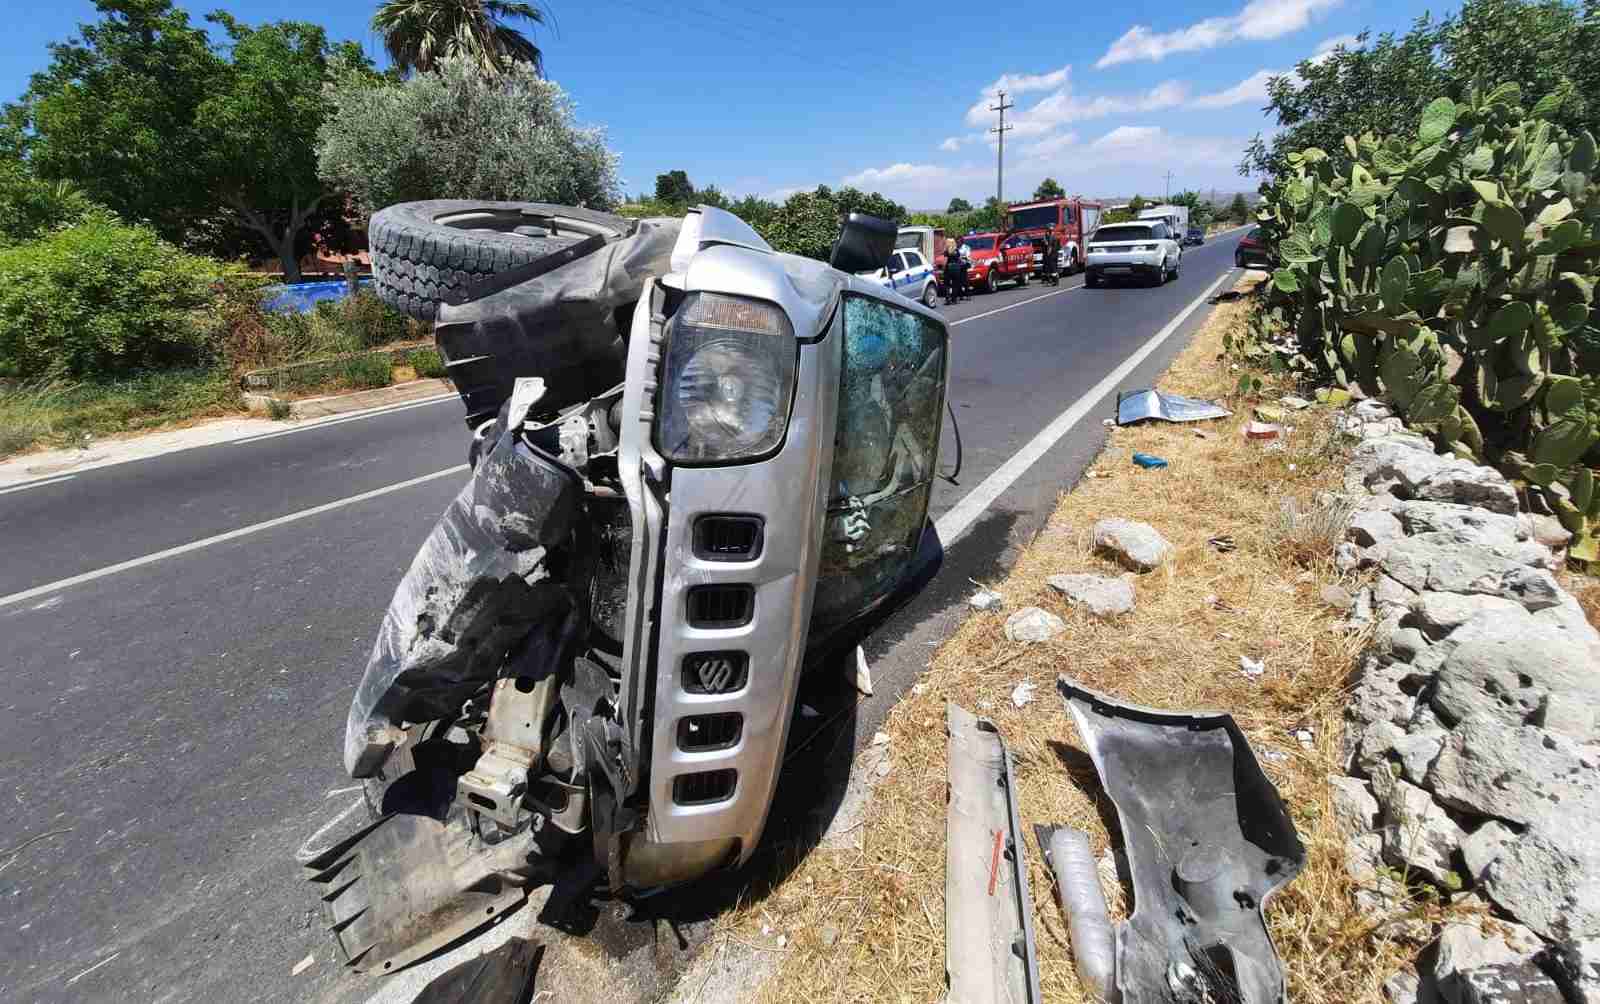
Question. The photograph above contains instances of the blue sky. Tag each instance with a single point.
(765, 98)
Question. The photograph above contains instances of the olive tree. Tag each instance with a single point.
(456, 134)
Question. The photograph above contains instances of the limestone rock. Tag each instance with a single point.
(1469, 484)
(1403, 987)
(1518, 981)
(1483, 845)
(1336, 596)
(1462, 947)
(1134, 545)
(1373, 528)
(1417, 833)
(1521, 774)
(1448, 562)
(986, 599)
(1487, 528)
(1503, 664)
(1098, 594)
(1444, 612)
(1547, 530)
(1418, 750)
(1031, 624)
(1549, 879)
(1383, 464)
(1569, 716)
(1371, 411)
(1579, 964)
(1355, 811)
(1382, 697)
(1363, 856)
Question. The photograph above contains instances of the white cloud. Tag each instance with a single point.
(781, 194)
(951, 144)
(1061, 142)
(1326, 46)
(877, 176)
(1258, 20)
(1062, 106)
(1251, 89)
(1153, 148)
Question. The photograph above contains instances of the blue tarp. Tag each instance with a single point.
(301, 297)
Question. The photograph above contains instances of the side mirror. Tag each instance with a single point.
(864, 245)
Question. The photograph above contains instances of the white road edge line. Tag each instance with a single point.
(36, 484)
(353, 416)
(960, 517)
(243, 531)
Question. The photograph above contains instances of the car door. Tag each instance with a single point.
(897, 273)
(885, 451)
(916, 274)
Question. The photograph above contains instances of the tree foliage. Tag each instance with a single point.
(420, 34)
(958, 205)
(1239, 209)
(455, 134)
(674, 188)
(31, 207)
(1382, 83)
(1049, 188)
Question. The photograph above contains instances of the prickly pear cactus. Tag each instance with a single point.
(1453, 273)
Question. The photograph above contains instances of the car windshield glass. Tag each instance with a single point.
(1105, 234)
(979, 243)
(1037, 216)
(910, 239)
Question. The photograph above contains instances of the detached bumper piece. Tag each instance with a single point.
(1208, 842)
(988, 949)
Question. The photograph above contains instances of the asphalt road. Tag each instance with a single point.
(173, 720)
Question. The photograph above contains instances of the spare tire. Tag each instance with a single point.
(425, 254)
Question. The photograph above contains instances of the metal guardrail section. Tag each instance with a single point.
(988, 921)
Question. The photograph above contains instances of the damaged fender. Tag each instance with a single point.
(476, 591)
(1208, 842)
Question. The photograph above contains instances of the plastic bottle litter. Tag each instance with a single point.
(1149, 461)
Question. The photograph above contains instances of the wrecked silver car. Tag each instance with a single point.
(698, 465)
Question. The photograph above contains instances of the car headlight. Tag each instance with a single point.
(727, 380)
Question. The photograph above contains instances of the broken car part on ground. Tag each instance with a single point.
(589, 670)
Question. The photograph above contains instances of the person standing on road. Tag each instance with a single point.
(1052, 254)
(955, 275)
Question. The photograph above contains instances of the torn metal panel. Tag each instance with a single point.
(1140, 405)
(989, 951)
(1208, 842)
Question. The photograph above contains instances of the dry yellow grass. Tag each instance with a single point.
(868, 924)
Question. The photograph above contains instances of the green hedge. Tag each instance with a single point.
(102, 297)
(1452, 273)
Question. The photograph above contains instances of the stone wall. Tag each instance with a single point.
(1472, 737)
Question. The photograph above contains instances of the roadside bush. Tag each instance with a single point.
(1452, 272)
(102, 297)
(31, 207)
(375, 370)
(427, 362)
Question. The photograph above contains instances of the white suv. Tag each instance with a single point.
(1146, 249)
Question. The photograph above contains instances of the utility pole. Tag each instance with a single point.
(1000, 163)
(1169, 186)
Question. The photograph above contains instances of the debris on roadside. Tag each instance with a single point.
(1201, 434)
(1138, 547)
(1198, 931)
(1306, 738)
(1077, 876)
(1022, 694)
(1149, 461)
(1251, 668)
(1222, 543)
(986, 599)
(880, 739)
(863, 673)
(988, 912)
(1142, 405)
(1031, 624)
(1262, 430)
(303, 965)
(1294, 403)
(1269, 413)
(1098, 594)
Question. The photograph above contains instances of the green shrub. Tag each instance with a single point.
(31, 207)
(102, 297)
(427, 362)
(372, 322)
(372, 370)
(1452, 272)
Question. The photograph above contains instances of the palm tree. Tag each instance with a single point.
(418, 33)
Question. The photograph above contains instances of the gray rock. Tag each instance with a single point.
(1547, 530)
(1031, 624)
(1371, 411)
(1363, 856)
(1503, 665)
(1444, 612)
(1354, 809)
(1373, 528)
(1361, 608)
(1579, 961)
(1389, 594)
(1487, 528)
(1569, 716)
(1132, 544)
(1569, 617)
(1483, 845)
(1417, 833)
(1449, 562)
(1347, 557)
(1417, 752)
(1098, 594)
(986, 599)
(1522, 774)
(1375, 748)
(1381, 696)
(1391, 910)
(1462, 947)
(1405, 644)
(1382, 464)
(1549, 879)
(1403, 987)
(1519, 981)
(1534, 588)
(1469, 484)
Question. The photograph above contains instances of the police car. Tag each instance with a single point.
(910, 275)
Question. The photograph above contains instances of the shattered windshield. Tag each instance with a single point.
(891, 392)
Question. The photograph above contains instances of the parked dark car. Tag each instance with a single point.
(1252, 251)
(1194, 237)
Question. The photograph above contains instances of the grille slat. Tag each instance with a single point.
(701, 733)
(728, 538)
(704, 787)
(721, 606)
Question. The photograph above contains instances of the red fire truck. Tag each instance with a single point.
(1072, 220)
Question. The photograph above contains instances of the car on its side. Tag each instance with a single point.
(1251, 251)
(1194, 237)
(997, 258)
(1142, 249)
(910, 275)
